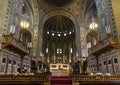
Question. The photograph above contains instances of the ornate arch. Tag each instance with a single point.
(63, 13)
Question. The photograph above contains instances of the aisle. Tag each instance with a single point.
(61, 80)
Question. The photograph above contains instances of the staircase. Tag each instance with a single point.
(61, 80)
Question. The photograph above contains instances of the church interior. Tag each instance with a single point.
(48, 42)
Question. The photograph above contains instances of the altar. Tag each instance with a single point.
(59, 69)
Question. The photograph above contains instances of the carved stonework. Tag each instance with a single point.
(105, 17)
(13, 16)
(35, 11)
(73, 8)
(3, 8)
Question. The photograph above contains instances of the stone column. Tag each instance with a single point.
(64, 53)
(114, 5)
(12, 66)
(113, 68)
(74, 50)
(3, 10)
(77, 41)
(80, 64)
(6, 69)
(69, 48)
(54, 53)
(97, 62)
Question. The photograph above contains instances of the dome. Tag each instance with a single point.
(59, 28)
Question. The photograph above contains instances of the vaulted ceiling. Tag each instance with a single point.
(59, 28)
(58, 3)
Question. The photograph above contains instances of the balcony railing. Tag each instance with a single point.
(9, 41)
(95, 80)
(25, 79)
(107, 43)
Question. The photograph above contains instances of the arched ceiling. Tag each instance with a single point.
(58, 3)
(59, 27)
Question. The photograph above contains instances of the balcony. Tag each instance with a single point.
(15, 45)
(105, 45)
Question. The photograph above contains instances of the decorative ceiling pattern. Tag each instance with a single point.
(58, 3)
(59, 27)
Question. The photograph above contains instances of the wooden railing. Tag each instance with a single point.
(9, 40)
(45, 80)
(109, 42)
(22, 79)
(96, 80)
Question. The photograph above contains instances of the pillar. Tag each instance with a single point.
(3, 10)
(54, 52)
(115, 13)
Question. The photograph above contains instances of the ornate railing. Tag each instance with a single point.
(96, 80)
(107, 43)
(27, 80)
(11, 41)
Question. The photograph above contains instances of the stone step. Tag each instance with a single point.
(61, 81)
